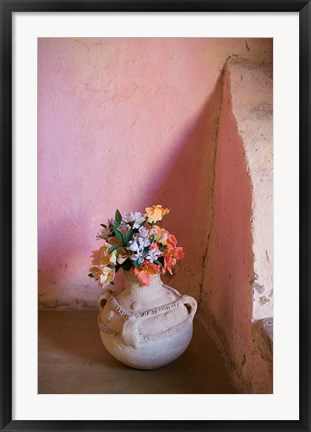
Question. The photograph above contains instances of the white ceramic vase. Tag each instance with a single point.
(146, 327)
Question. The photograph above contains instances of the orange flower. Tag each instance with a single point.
(171, 241)
(145, 271)
(170, 258)
(155, 213)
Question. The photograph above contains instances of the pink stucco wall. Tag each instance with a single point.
(230, 261)
(227, 298)
(126, 123)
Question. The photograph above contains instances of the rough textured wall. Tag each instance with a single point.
(126, 123)
(251, 92)
(240, 243)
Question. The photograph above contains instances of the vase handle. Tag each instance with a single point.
(102, 299)
(191, 305)
(130, 332)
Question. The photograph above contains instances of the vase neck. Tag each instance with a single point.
(133, 285)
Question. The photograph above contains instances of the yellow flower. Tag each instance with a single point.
(113, 241)
(107, 276)
(122, 256)
(105, 258)
(104, 275)
(160, 234)
(155, 213)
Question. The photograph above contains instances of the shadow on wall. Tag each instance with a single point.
(230, 256)
(187, 190)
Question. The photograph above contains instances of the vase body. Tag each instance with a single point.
(146, 327)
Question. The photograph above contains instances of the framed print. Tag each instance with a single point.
(155, 215)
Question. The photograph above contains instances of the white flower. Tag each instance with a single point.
(143, 232)
(140, 259)
(139, 219)
(138, 245)
(153, 254)
(128, 217)
(133, 245)
(143, 242)
(136, 217)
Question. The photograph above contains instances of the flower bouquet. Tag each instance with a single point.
(134, 242)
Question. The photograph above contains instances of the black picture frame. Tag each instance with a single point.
(7, 8)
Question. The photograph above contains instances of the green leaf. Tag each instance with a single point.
(158, 262)
(119, 235)
(114, 247)
(118, 216)
(128, 236)
(116, 225)
(151, 238)
(136, 263)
